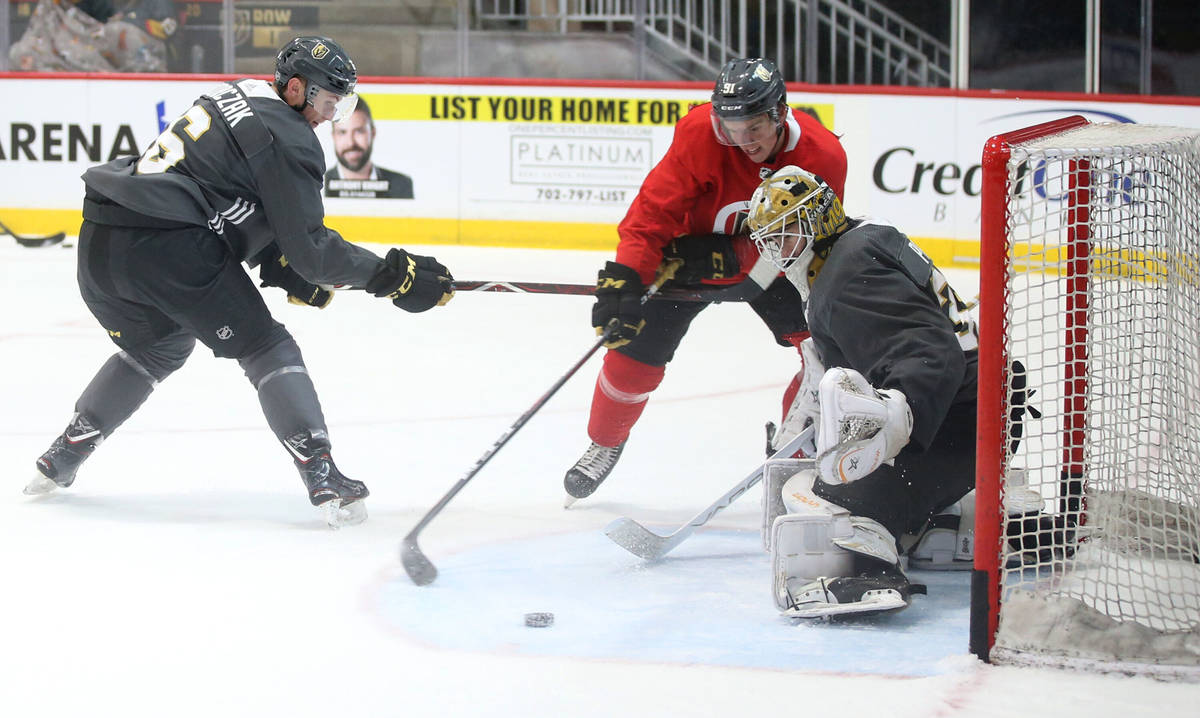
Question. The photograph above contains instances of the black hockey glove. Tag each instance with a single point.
(276, 273)
(617, 314)
(413, 282)
(705, 256)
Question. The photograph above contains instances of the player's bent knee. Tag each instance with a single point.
(268, 358)
(162, 358)
(631, 375)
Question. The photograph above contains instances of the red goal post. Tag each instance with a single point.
(1090, 277)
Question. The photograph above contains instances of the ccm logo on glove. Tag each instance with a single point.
(413, 282)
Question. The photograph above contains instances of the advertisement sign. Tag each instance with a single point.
(546, 166)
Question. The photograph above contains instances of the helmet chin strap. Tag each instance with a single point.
(776, 148)
(303, 100)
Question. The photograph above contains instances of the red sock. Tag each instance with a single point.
(622, 390)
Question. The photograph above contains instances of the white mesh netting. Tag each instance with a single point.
(1104, 312)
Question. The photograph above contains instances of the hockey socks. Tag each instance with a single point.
(622, 390)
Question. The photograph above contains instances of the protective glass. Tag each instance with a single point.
(745, 131)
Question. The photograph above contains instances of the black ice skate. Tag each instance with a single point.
(56, 468)
(876, 587)
(590, 471)
(340, 497)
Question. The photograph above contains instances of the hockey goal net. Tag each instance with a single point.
(1090, 279)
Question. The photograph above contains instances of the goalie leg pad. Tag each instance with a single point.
(948, 541)
(860, 427)
(872, 583)
(801, 401)
(776, 473)
(803, 540)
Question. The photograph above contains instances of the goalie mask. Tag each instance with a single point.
(328, 71)
(794, 217)
(746, 103)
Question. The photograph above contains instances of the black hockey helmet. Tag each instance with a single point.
(324, 65)
(318, 60)
(748, 87)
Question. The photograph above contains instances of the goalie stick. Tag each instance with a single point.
(743, 291)
(416, 564)
(25, 241)
(644, 543)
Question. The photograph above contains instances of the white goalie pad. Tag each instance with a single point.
(805, 407)
(948, 541)
(776, 473)
(803, 541)
(860, 427)
(842, 589)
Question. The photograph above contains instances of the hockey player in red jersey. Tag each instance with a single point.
(693, 205)
(237, 178)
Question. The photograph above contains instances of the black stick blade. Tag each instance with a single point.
(40, 241)
(419, 568)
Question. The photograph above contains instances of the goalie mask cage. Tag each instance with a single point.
(1090, 278)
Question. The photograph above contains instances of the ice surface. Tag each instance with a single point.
(185, 574)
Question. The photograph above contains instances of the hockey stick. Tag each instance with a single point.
(641, 542)
(743, 291)
(418, 566)
(25, 241)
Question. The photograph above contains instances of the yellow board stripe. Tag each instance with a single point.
(642, 111)
(945, 253)
(477, 232)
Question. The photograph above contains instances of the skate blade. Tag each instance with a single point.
(39, 486)
(351, 514)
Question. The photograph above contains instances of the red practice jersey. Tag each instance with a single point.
(703, 187)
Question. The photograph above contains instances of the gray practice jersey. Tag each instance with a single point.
(248, 167)
(880, 307)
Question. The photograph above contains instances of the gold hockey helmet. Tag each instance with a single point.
(790, 212)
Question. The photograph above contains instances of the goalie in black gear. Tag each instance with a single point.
(236, 178)
(889, 380)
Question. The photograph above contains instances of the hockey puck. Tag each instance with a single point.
(539, 620)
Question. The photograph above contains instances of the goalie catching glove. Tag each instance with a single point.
(276, 273)
(413, 282)
(617, 314)
(861, 427)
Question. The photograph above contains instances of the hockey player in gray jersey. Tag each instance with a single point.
(894, 412)
(237, 178)
(889, 384)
